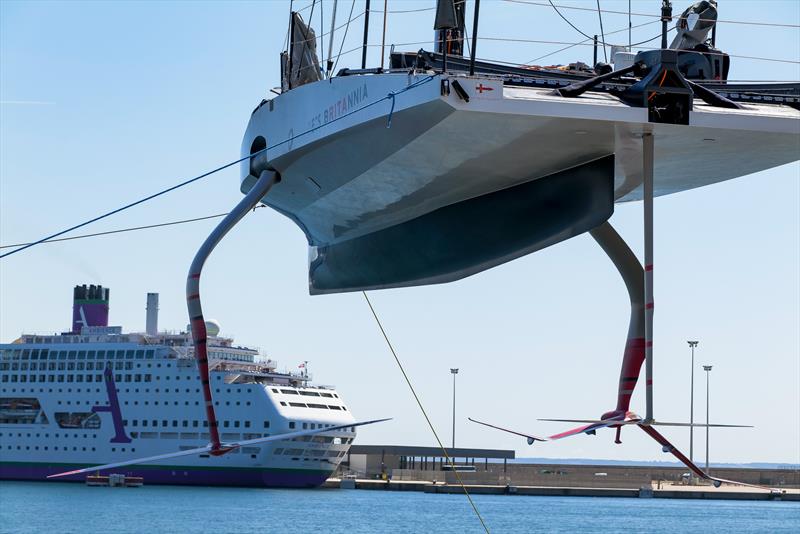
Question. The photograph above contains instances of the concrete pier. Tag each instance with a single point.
(667, 492)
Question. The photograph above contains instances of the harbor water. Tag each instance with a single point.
(66, 507)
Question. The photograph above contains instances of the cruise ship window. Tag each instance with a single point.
(247, 424)
(98, 378)
(236, 424)
(118, 366)
(194, 423)
(164, 423)
(71, 355)
(90, 366)
(155, 422)
(129, 355)
(79, 378)
(291, 424)
(71, 366)
(51, 366)
(283, 403)
(226, 424)
(33, 366)
(305, 425)
(185, 423)
(62, 355)
(101, 355)
(118, 378)
(139, 354)
(15, 367)
(174, 422)
(82, 355)
(128, 366)
(90, 355)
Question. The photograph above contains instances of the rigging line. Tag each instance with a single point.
(602, 32)
(306, 39)
(610, 33)
(424, 413)
(347, 27)
(577, 8)
(338, 27)
(389, 96)
(135, 203)
(121, 230)
(568, 22)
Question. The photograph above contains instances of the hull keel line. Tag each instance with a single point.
(265, 181)
(648, 155)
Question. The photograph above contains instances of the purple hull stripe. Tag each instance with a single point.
(194, 477)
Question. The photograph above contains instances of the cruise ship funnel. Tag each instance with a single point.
(89, 306)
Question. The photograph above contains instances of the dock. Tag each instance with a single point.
(668, 492)
(498, 472)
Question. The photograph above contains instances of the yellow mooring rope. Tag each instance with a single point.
(419, 403)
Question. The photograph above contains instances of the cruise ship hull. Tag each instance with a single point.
(179, 475)
(358, 164)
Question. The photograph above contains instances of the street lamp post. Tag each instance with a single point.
(692, 345)
(707, 369)
(454, 372)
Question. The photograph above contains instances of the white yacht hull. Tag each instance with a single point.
(357, 163)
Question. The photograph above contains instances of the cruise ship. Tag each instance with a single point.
(96, 395)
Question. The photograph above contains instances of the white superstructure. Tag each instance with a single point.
(104, 396)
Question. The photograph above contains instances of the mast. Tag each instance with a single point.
(474, 37)
(366, 35)
(329, 64)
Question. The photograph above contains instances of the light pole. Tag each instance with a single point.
(707, 369)
(692, 345)
(454, 372)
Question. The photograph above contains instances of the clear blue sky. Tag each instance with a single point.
(103, 103)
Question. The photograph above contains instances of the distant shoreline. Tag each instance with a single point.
(646, 463)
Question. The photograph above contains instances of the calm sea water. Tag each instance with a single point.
(60, 508)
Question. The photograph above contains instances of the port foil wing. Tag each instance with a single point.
(591, 427)
(227, 447)
(531, 438)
